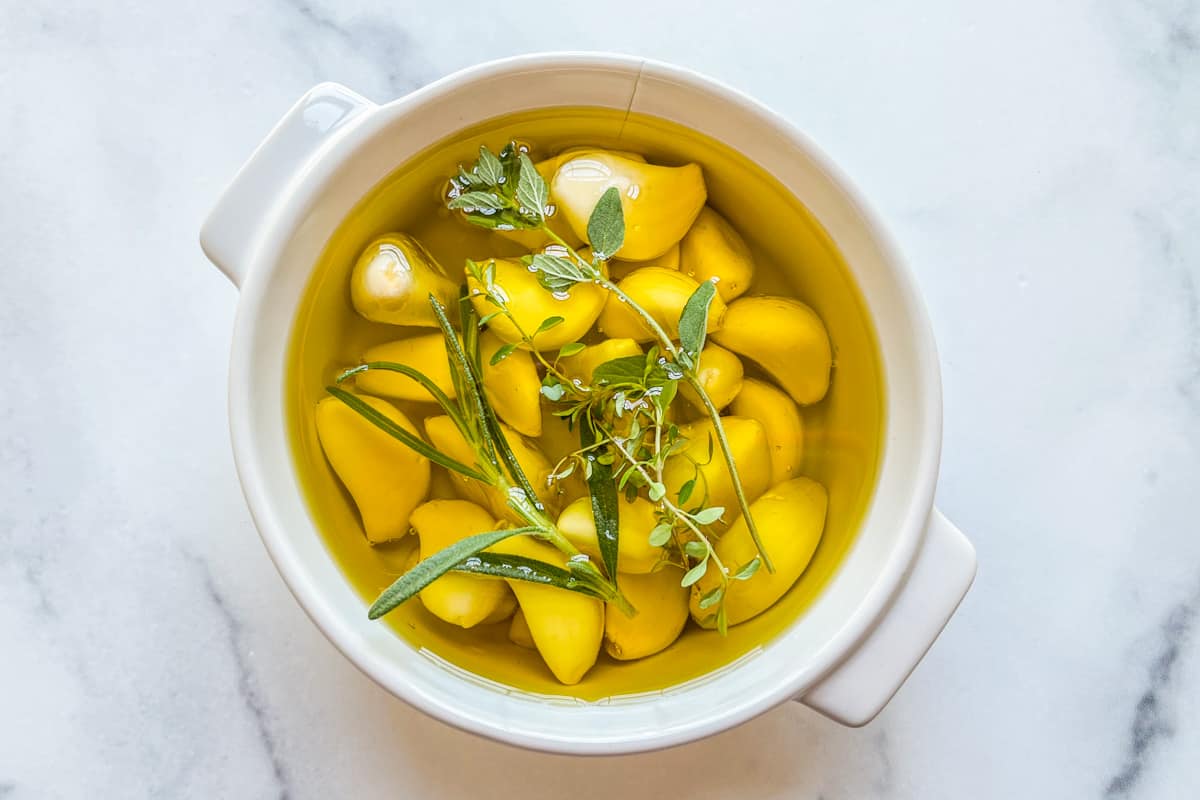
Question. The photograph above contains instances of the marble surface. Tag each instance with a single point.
(1039, 164)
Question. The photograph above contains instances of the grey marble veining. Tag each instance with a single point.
(1037, 162)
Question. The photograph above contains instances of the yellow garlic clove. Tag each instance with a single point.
(713, 250)
(790, 518)
(662, 293)
(659, 203)
(463, 600)
(782, 421)
(662, 612)
(531, 304)
(446, 437)
(619, 268)
(786, 338)
(635, 520)
(384, 476)
(518, 631)
(566, 627)
(748, 443)
(512, 385)
(720, 373)
(426, 353)
(393, 279)
(535, 238)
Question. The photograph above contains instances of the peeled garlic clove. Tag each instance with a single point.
(720, 373)
(512, 385)
(460, 599)
(713, 487)
(393, 279)
(662, 611)
(618, 268)
(786, 338)
(714, 250)
(659, 203)
(386, 479)
(782, 421)
(662, 293)
(790, 518)
(425, 353)
(635, 554)
(566, 627)
(531, 304)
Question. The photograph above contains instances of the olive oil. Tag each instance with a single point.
(794, 257)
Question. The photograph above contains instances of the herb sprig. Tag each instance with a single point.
(622, 414)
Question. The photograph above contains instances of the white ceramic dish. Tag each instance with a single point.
(845, 657)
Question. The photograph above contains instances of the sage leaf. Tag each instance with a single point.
(603, 491)
(606, 225)
(693, 321)
(520, 568)
(557, 273)
(488, 168)
(626, 369)
(478, 201)
(532, 192)
(434, 567)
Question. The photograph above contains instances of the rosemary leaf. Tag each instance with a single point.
(434, 567)
(520, 568)
(603, 491)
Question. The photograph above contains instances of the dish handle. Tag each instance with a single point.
(858, 689)
(232, 232)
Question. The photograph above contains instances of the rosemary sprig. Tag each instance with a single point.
(495, 465)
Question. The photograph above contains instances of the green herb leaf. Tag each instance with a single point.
(434, 567)
(693, 321)
(520, 568)
(626, 369)
(695, 549)
(488, 168)
(685, 491)
(708, 516)
(660, 535)
(722, 620)
(695, 573)
(603, 491)
(502, 352)
(548, 323)
(448, 405)
(557, 273)
(477, 201)
(571, 349)
(747, 571)
(606, 226)
(554, 392)
(532, 192)
(711, 597)
(657, 491)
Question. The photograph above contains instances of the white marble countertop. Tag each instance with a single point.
(1039, 164)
